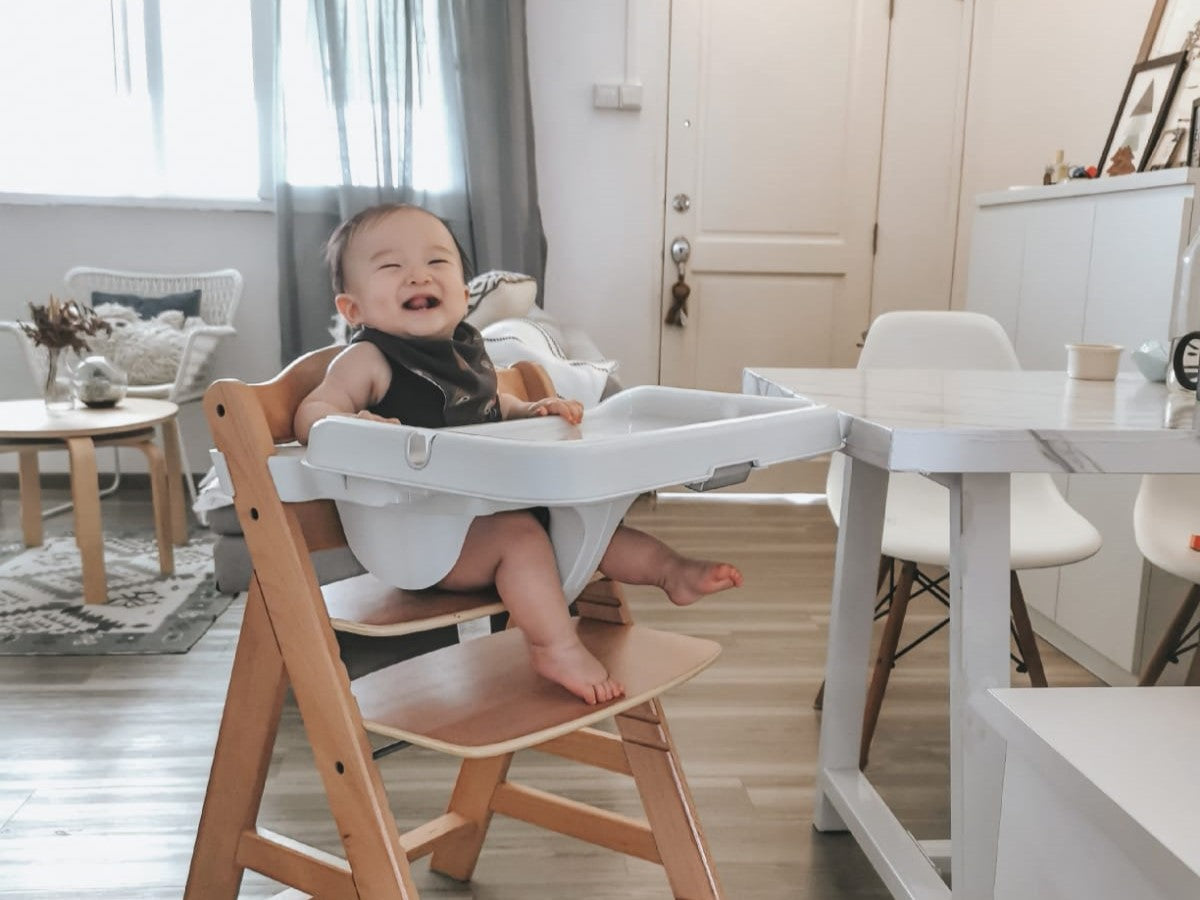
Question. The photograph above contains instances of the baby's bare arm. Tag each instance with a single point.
(357, 377)
(512, 407)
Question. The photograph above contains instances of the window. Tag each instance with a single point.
(134, 98)
(375, 98)
(156, 98)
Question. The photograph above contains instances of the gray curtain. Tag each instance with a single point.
(416, 101)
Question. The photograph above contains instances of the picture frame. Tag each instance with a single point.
(1142, 111)
(1168, 27)
(1193, 157)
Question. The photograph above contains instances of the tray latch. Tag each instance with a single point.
(723, 476)
(417, 449)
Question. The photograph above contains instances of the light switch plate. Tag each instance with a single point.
(606, 96)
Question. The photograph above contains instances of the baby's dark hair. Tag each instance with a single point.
(335, 247)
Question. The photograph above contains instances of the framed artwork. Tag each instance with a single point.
(1168, 28)
(1193, 157)
(1175, 25)
(1149, 92)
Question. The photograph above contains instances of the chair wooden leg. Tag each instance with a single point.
(668, 803)
(1170, 640)
(885, 568)
(1193, 674)
(1026, 640)
(31, 498)
(886, 658)
(242, 757)
(162, 506)
(85, 495)
(472, 799)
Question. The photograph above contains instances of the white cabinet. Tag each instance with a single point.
(1090, 261)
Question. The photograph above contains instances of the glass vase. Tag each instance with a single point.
(57, 390)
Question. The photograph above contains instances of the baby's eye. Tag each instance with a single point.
(434, 262)
(391, 266)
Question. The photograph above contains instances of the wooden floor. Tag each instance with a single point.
(105, 759)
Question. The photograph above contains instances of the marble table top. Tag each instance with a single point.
(929, 420)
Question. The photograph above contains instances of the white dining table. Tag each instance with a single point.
(968, 430)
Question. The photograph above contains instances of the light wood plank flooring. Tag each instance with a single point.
(105, 759)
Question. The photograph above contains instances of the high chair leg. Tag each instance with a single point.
(472, 799)
(668, 803)
(243, 754)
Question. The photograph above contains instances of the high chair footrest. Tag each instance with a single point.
(365, 605)
(482, 698)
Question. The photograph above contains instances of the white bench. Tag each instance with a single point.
(1101, 796)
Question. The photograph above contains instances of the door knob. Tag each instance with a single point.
(681, 202)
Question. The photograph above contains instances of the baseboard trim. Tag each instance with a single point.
(1092, 660)
(51, 481)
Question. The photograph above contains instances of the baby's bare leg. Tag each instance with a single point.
(513, 552)
(634, 557)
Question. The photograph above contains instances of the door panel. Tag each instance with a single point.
(774, 130)
(790, 318)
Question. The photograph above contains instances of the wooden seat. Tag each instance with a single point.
(479, 700)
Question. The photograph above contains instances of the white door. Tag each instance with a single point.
(774, 129)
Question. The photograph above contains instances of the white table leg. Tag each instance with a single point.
(979, 647)
(859, 538)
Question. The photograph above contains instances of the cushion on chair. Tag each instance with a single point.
(511, 340)
(497, 295)
(187, 302)
(148, 350)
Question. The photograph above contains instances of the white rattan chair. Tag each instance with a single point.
(1046, 531)
(220, 293)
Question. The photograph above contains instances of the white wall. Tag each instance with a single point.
(1044, 77)
(602, 172)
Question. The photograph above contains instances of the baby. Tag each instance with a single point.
(397, 272)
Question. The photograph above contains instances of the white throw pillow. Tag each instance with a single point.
(148, 350)
(497, 295)
(513, 340)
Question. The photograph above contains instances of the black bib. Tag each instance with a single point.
(436, 383)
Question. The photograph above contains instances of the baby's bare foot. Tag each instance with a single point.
(574, 667)
(690, 579)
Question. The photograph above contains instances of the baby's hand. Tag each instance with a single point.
(371, 417)
(571, 410)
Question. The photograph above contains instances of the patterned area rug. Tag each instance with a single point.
(42, 610)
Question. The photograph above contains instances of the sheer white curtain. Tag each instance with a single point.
(420, 101)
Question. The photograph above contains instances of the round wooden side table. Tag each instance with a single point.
(28, 428)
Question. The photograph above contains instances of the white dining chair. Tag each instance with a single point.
(1166, 514)
(1045, 530)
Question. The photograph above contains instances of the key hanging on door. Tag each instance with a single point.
(681, 250)
(677, 314)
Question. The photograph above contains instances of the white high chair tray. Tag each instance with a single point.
(640, 439)
(407, 496)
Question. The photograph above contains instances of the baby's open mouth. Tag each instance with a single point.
(421, 302)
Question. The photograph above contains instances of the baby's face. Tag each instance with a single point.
(403, 275)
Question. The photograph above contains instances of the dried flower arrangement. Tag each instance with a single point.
(60, 324)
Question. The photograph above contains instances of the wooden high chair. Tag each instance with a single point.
(479, 700)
